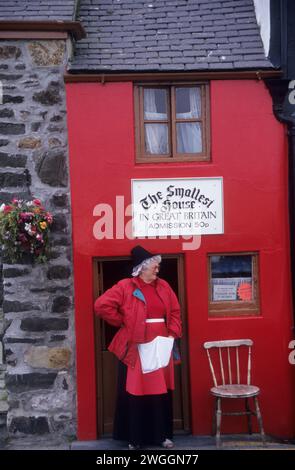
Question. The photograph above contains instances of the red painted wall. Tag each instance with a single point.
(249, 151)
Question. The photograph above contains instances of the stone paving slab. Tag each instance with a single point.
(183, 442)
(34, 443)
(189, 442)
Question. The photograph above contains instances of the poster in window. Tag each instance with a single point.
(233, 288)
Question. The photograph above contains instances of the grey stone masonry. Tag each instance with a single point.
(37, 369)
(168, 35)
(3, 391)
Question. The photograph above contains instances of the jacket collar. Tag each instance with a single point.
(159, 284)
(137, 285)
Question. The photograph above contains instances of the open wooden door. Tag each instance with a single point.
(108, 271)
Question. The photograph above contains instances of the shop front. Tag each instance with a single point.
(195, 171)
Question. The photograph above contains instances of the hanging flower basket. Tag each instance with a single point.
(24, 230)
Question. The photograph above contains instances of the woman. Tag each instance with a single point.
(143, 307)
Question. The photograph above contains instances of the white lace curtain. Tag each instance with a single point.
(156, 135)
(189, 138)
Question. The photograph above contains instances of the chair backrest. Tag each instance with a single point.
(226, 360)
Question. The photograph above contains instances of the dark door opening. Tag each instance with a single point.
(106, 273)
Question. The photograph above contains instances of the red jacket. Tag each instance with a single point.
(124, 306)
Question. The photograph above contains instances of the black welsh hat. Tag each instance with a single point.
(139, 254)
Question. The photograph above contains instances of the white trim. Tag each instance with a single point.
(155, 320)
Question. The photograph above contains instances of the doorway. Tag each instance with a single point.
(107, 272)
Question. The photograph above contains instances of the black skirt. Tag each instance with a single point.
(144, 419)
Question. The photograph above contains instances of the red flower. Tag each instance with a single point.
(26, 215)
(7, 209)
(37, 202)
(49, 218)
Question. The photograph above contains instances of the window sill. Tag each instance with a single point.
(173, 159)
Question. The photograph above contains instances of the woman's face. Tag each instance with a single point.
(150, 272)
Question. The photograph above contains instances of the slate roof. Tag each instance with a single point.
(62, 10)
(168, 35)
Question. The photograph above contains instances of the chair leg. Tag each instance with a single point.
(214, 417)
(248, 415)
(218, 421)
(259, 419)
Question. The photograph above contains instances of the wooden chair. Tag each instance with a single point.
(226, 356)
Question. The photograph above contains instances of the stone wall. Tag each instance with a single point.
(36, 301)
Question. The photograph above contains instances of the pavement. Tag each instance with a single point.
(182, 442)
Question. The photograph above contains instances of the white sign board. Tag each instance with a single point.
(179, 206)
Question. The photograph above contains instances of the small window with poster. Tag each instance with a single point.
(233, 284)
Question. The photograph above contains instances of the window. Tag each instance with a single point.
(233, 284)
(172, 122)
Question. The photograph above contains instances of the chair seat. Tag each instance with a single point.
(235, 391)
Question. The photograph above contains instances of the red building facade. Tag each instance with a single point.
(248, 150)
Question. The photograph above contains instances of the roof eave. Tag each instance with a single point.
(23, 28)
(109, 76)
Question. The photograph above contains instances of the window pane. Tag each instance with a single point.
(155, 103)
(189, 137)
(232, 278)
(156, 138)
(188, 103)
